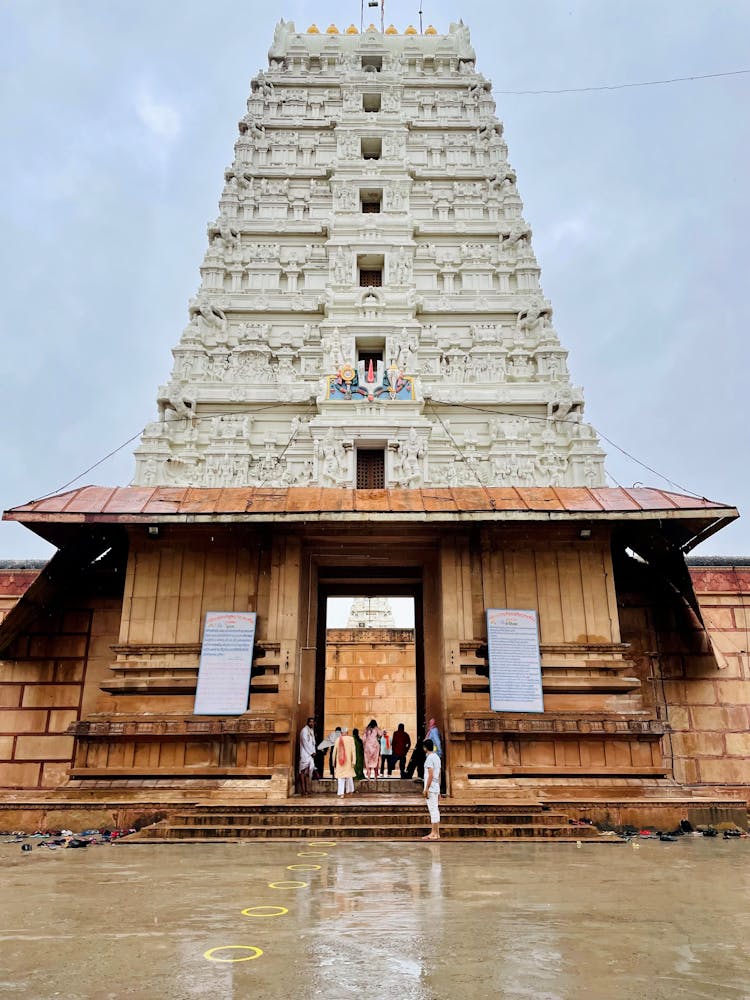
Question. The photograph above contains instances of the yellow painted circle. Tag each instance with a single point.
(312, 854)
(268, 911)
(303, 868)
(322, 843)
(288, 885)
(256, 953)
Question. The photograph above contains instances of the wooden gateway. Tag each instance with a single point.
(102, 651)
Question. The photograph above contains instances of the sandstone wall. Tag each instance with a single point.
(50, 679)
(705, 703)
(371, 674)
(709, 707)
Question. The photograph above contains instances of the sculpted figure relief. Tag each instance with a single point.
(563, 405)
(333, 353)
(332, 463)
(410, 452)
(402, 267)
(342, 269)
(209, 322)
(405, 351)
(534, 322)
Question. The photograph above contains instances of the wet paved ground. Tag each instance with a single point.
(402, 921)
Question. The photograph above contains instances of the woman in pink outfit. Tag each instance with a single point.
(371, 740)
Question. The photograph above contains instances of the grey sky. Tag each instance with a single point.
(119, 117)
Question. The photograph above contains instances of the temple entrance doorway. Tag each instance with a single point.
(370, 658)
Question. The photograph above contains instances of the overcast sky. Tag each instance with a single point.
(119, 116)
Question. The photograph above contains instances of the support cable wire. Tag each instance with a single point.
(623, 86)
(223, 413)
(469, 462)
(432, 403)
(532, 416)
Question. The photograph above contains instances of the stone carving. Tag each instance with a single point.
(402, 267)
(346, 197)
(209, 323)
(564, 406)
(333, 353)
(410, 453)
(342, 267)
(332, 461)
(177, 400)
(404, 351)
(534, 323)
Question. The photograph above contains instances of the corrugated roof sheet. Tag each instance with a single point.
(96, 503)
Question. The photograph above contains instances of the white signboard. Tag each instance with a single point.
(515, 665)
(226, 661)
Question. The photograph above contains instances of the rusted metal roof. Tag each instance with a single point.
(94, 504)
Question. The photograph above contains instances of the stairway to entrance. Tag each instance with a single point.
(371, 786)
(383, 819)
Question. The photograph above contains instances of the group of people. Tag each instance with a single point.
(352, 756)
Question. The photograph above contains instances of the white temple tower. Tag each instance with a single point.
(370, 612)
(370, 312)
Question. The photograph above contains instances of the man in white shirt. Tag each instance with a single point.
(432, 788)
(307, 748)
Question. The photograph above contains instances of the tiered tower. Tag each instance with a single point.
(370, 312)
(370, 612)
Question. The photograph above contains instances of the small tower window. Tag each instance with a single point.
(371, 201)
(372, 64)
(370, 267)
(371, 102)
(370, 469)
(371, 277)
(372, 149)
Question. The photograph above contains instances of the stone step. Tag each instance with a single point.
(354, 817)
(306, 806)
(378, 786)
(379, 831)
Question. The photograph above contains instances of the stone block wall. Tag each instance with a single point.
(50, 677)
(709, 704)
(371, 674)
(703, 698)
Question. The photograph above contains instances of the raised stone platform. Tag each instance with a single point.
(371, 817)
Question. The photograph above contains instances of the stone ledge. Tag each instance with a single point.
(179, 728)
(475, 726)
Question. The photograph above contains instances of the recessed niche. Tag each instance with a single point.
(372, 148)
(370, 269)
(371, 200)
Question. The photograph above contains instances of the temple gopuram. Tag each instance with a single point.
(370, 399)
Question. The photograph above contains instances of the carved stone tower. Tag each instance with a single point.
(370, 312)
